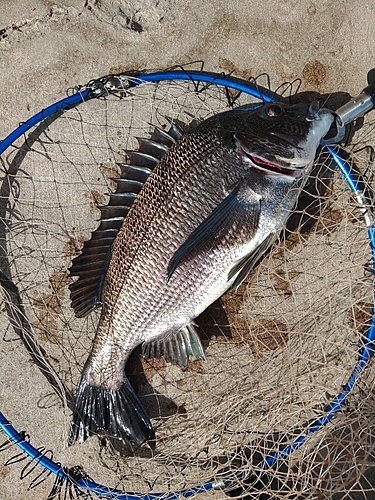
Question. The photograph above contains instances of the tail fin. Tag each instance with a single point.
(117, 413)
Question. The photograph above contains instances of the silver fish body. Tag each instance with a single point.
(212, 206)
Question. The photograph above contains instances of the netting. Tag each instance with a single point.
(279, 349)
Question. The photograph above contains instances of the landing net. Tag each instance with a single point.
(280, 350)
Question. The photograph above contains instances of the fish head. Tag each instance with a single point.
(276, 138)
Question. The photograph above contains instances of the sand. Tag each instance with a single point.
(47, 48)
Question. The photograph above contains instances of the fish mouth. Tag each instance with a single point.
(267, 163)
(268, 166)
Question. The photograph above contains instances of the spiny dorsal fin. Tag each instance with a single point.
(92, 264)
(152, 148)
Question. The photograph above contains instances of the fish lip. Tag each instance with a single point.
(275, 168)
(267, 164)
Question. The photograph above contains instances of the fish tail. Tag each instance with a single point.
(117, 413)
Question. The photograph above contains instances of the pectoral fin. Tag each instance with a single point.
(236, 217)
(245, 265)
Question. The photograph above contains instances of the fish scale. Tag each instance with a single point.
(162, 226)
(162, 235)
(210, 208)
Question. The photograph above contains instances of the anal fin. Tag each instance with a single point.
(176, 348)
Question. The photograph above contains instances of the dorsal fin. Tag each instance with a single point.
(92, 263)
(153, 148)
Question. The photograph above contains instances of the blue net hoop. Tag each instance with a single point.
(230, 480)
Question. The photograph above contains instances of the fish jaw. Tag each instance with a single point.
(299, 156)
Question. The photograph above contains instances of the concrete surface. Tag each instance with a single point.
(48, 47)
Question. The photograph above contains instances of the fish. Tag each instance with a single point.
(192, 215)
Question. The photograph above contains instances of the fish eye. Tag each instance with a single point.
(275, 110)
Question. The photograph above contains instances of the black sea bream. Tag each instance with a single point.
(209, 209)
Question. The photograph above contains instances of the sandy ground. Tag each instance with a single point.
(47, 47)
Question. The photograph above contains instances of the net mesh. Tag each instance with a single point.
(278, 349)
